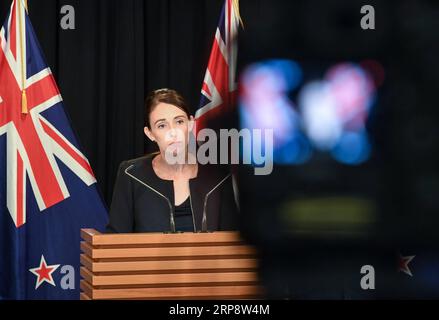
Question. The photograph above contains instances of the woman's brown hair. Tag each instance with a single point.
(163, 96)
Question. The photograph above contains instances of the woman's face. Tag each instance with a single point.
(169, 127)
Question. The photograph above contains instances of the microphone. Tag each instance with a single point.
(204, 220)
(171, 211)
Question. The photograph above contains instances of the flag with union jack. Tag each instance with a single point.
(219, 89)
(47, 187)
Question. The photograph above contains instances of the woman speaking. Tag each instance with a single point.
(153, 194)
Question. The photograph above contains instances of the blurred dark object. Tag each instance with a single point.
(318, 222)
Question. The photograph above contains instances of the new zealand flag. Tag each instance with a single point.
(48, 190)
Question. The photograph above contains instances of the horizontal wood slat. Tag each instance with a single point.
(168, 265)
(83, 296)
(86, 288)
(96, 253)
(177, 278)
(207, 292)
(95, 238)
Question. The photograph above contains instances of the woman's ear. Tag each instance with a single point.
(148, 133)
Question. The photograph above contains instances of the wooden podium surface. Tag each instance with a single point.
(217, 265)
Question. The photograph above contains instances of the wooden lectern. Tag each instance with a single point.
(214, 265)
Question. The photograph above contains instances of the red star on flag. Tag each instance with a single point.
(44, 272)
(403, 265)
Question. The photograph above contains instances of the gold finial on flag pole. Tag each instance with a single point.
(238, 15)
(24, 109)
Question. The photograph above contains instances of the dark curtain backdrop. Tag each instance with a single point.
(118, 52)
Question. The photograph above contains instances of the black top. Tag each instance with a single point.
(183, 216)
(142, 202)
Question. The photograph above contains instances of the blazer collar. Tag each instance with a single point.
(208, 176)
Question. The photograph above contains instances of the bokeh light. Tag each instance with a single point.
(330, 114)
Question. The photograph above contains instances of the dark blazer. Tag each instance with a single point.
(143, 202)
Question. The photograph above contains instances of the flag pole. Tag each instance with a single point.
(24, 109)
